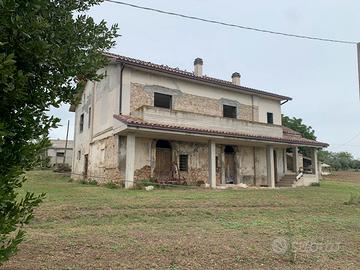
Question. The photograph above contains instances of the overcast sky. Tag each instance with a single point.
(320, 77)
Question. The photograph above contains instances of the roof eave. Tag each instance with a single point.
(202, 79)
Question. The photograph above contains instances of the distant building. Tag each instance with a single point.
(56, 152)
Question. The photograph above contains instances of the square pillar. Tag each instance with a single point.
(130, 160)
(285, 161)
(296, 159)
(270, 166)
(314, 163)
(222, 157)
(212, 164)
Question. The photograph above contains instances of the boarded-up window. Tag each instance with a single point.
(81, 122)
(162, 100)
(183, 163)
(270, 118)
(229, 111)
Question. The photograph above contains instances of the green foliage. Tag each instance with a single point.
(297, 124)
(48, 50)
(339, 160)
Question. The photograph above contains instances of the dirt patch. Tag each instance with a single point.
(344, 176)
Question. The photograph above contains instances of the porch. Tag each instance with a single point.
(169, 160)
(155, 150)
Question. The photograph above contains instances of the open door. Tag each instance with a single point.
(275, 167)
(163, 160)
(230, 167)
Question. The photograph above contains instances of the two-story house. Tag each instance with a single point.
(149, 121)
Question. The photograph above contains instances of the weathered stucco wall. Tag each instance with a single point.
(144, 95)
(103, 160)
(145, 161)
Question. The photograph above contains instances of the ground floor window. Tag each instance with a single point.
(183, 163)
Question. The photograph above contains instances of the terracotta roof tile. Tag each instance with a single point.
(191, 75)
(289, 136)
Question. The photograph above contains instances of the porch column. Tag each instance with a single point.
(222, 160)
(270, 166)
(314, 163)
(285, 160)
(130, 160)
(212, 164)
(295, 160)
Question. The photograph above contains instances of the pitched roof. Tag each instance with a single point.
(288, 137)
(61, 144)
(192, 76)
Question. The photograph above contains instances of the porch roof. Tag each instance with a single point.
(289, 136)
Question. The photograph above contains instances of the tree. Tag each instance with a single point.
(48, 50)
(297, 124)
(339, 160)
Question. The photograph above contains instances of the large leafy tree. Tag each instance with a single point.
(297, 124)
(48, 49)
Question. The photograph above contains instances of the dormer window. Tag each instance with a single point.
(162, 100)
(229, 111)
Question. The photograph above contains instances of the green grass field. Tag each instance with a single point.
(82, 226)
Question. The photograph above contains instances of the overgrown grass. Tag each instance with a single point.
(96, 227)
(354, 199)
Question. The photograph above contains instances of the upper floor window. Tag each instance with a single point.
(60, 154)
(89, 120)
(162, 100)
(81, 122)
(270, 118)
(229, 111)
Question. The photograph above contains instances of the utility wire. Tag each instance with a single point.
(230, 24)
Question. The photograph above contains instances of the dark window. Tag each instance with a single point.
(162, 100)
(79, 155)
(81, 122)
(163, 144)
(183, 163)
(229, 149)
(270, 118)
(229, 111)
(60, 154)
(89, 120)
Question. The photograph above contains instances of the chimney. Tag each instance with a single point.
(198, 65)
(236, 78)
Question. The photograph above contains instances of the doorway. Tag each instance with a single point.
(275, 167)
(230, 167)
(86, 165)
(163, 160)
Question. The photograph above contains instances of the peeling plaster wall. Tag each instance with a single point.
(82, 139)
(145, 161)
(106, 102)
(144, 95)
(261, 166)
(103, 160)
(246, 168)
